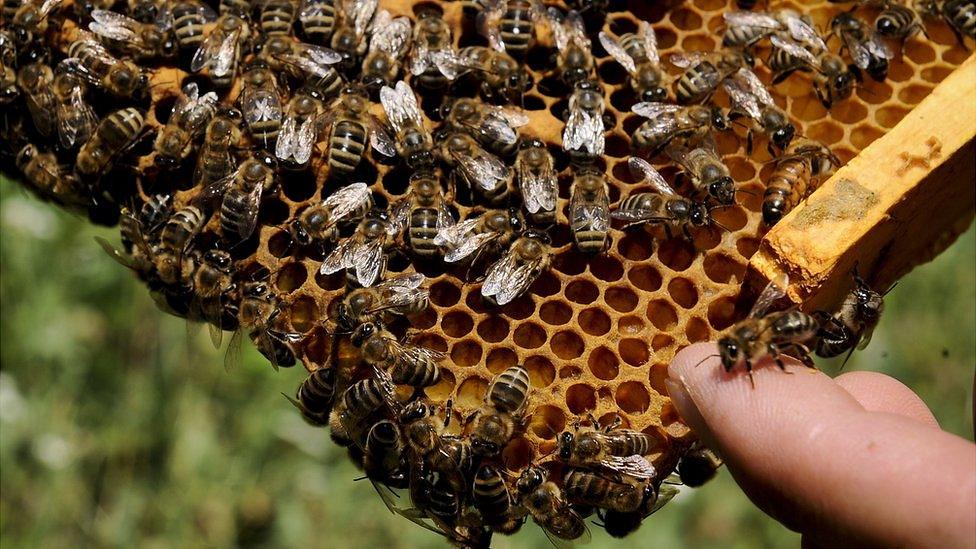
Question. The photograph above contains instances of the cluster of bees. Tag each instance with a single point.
(272, 79)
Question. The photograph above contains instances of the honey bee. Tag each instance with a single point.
(833, 80)
(365, 251)
(301, 127)
(662, 206)
(315, 395)
(211, 279)
(589, 210)
(348, 37)
(502, 413)
(619, 524)
(136, 232)
(749, 96)
(220, 51)
(509, 277)
(431, 37)
(544, 501)
(8, 73)
(705, 71)
(960, 15)
(277, 17)
(401, 295)
(424, 213)
(698, 465)
(383, 459)
(36, 80)
(148, 11)
(583, 135)
(76, 118)
(574, 61)
(638, 55)
(90, 60)
(115, 134)
(898, 21)
(407, 364)
(768, 334)
(257, 312)
(495, 128)
(509, 25)
(346, 421)
(143, 41)
(175, 239)
(592, 489)
(493, 229)
(666, 122)
(794, 177)
(851, 327)
(189, 18)
(709, 175)
(479, 169)
(492, 499)
(307, 62)
(618, 450)
(498, 75)
(317, 18)
(413, 142)
(868, 51)
(746, 28)
(30, 19)
(388, 45)
(260, 102)
(190, 117)
(536, 173)
(48, 178)
(349, 123)
(320, 223)
(241, 194)
(216, 159)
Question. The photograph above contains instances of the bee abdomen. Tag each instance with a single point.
(509, 391)
(346, 146)
(233, 214)
(786, 186)
(491, 495)
(278, 17)
(421, 232)
(589, 241)
(416, 375)
(795, 326)
(188, 25)
(694, 85)
(516, 29)
(590, 489)
(629, 443)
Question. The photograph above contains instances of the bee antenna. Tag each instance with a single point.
(357, 479)
(886, 292)
(716, 355)
(719, 225)
(745, 191)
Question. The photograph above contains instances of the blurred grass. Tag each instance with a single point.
(120, 428)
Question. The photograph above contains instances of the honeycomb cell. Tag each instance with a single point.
(621, 298)
(594, 322)
(493, 329)
(555, 313)
(330, 283)
(457, 324)
(636, 246)
(864, 135)
(570, 264)
(317, 346)
(547, 422)
(656, 376)
(621, 25)
(919, 52)
(698, 42)
(709, 5)
(541, 371)
(580, 399)
(444, 294)
(685, 19)
(607, 268)
(683, 292)
(722, 268)
(304, 313)
(697, 330)
(603, 363)
(612, 73)
(662, 314)
(666, 38)
(740, 169)
(721, 313)
(645, 277)
(471, 392)
(570, 372)
(583, 292)
(900, 72)
(466, 353)
(520, 309)
(826, 132)
(567, 345)
(678, 254)
(291, 277)
(431, 341)
(425, 320)
(617, 147)
(530, 335)
(914, 93)
(546, 285)
(279, 244)
(955, 56)
(518, 454)
(890, 115)
(848, 112)
(440, 391)
(500, 359)
(633, 397)
(633, 351)
(630, 325)
(935, 74)
(661, 341)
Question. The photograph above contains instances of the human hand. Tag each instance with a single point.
(854, 461)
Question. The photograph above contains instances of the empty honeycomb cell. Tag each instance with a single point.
(875, 93)
(645, 277)
(709, 5)
(685, 19)
(304, 313)
(317, 345)
(750, 196)
(678, 254)
(632, 122)
(698, 42)
(425, 320)
(826, 132)
(555, 313)
(747, 247)
(471, 392)
(583, 292)
(541, 371)
(607, 268)
(279, 244)
(890, 115)
(500, 359)
(440, 391)
(466, 353)
(603, 363)
(630, 325)
(633, 351)
(661, 341)
(666, 38)
(662, 314)
(547, 421)
(546, 285)
(580, 399)
(844, 154)
(612, 73)
(621, 298)
(520, 309)
(919, 52)
(935, 74)
(330, 283)
(594, 322)
(617, 146)
(622, 24)
(299, 186)
(864, 135)
(431, 341)
(493, 329)
(530, 336)
(567, 345)
(570, 372)
(727, 143)
(518, 454)
(741, 169)
(808, 108)
(683, 292)
(721, 268)
(955, 55)
(444, 294)
(570, 264)
(291, 277)
(721, 312)
(848, 112)
(732, 219)
(636, 246)
(914, 93)
(633, 397)
(707, 238)
(457, 324)
(656, 375)
(697, 330)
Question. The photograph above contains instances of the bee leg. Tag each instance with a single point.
(803, 354)
(667, 231)
(448, 408)
(687, 233)
(749, 142)
(614, 424)
(774, 351)
(752, 380)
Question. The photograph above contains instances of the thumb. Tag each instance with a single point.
(811, 456)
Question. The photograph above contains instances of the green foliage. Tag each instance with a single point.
(119, 427)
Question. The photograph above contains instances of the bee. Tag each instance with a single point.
(346, 421)
(833, 79)
(216, 159)
(960, 15)
(301, 127)
(143, 41)
(76, 118)
(388, 45)
(383, 459)
(189, 118)
(48, 179)
(708, 174)
(666, 122)
(583, 135)
(241, 194)
(698, 465)
(365, 251)
(349, 123)
(502, 413)
(592, 489)
(424, 213)
(238, 8)
(413, 142)
(317, 18)
(189, 18)
(536, 173)
(589, 210)
(136, 231)
(544, 501)
(277, 17)
(574, 59)
(498, 75)
(175, 239)
(431, 37)
(662, 206)
(898, 21)
(638, 55)
(8, 73)
(618, 450)
(307, 62)
(260, 102)
(348, 37)
(115, 134)
(768, 334)
(703, 72)
(494, 127)
(407, 364)
(509, 277)
(257, 312)
(749, 96)
(493, 229)
(868, 51)
(620, 525)
(509, 25)
(315, 395)
(492, 499)
(30, 19)
(211, 280)
(35, 81)
(220, 51)
(148, 11)
(401, 295)
(320, 222)
(851, 327)
(478, 168)
(90, 60)
(746, 28)
(794, 177)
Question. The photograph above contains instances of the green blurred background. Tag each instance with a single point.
(120, 427)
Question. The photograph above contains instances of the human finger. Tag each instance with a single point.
(880, 393)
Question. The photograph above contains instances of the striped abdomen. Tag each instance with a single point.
(316, 395)
(509, 390)
(590, 489)
(794, 327)
(415, 373)
(346, 145)
(491, 495)
(318, 20)
(421, 232)
(897, 21)
(181, 228)
(362, 397)
(787, 185)
(517, 28)
(188, 25)
(961, 14)
(697, 83)
(628, 443)
(277, 17)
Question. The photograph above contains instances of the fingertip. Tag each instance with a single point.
(882, 393)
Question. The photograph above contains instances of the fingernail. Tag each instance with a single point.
(686, 407)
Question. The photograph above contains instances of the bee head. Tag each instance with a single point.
(218, 259)
(655, 94)
(484, 448)
(723, 189)
(364, 332)
(531, 144)
(729, 352)
(772, 211)
(515, 219)
(566, 445)
(537, 235)
(532, 478)
(783, 135)
(415, 411)
(699, 215)
(298, 233)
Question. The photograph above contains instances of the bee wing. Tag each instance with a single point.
(684, 60)
(462, 249)
(649, 41)
(367, 259)
(618, 53)
(379, 139)
(560, 35)
(750, 19)
(115, 26)
(583, 131)
(742, 98)
(538, 187)
(232, 357)
(444, 217)
(664, 495)
(209, 195)
(481, 168)
(577, 29)
(287, 138)
(400, 105)
(72, 114)
(452, 235)
(347, 200)
(315, 60)
(643, 170)
(413, 354)
(653, 110)
(803, 32)
(253, 205)
(794, 49)
(500, 126)
(755, 87)
(450, 63)
(419, 59)
(877, 46)
(487, 23)
(226, 56)
(74, 65)
(636, 215)
(302, 138)
(403, 289)
(120, 257)
(336, 260)
(510, 277)
(391, 35)
(860, 53)
(261, 105)
(635, 466)
(596, 214)
(772, 292)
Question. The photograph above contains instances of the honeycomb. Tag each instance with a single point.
(595, 333)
